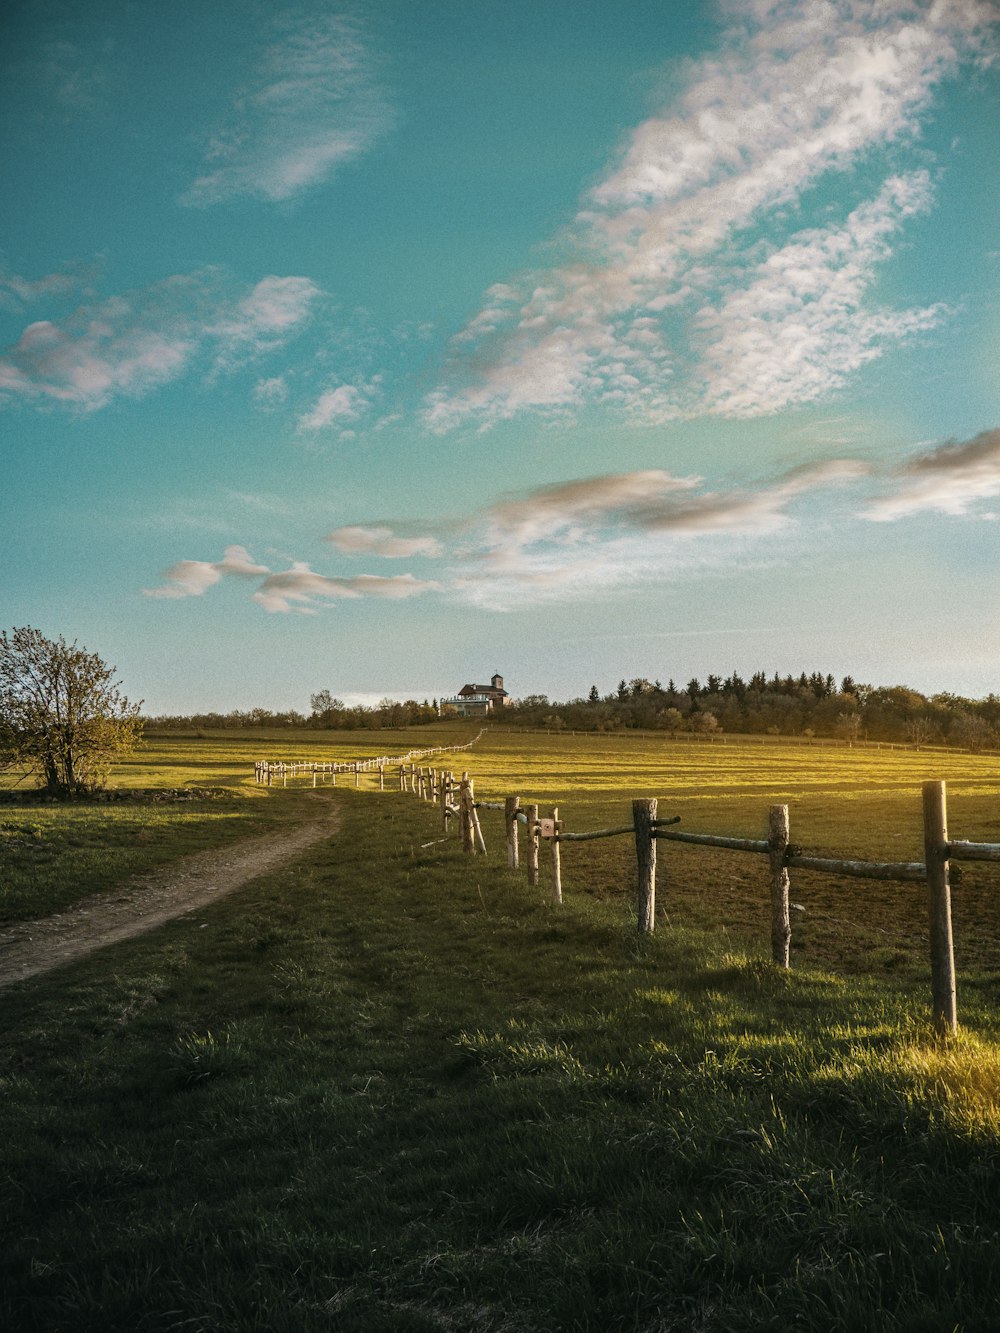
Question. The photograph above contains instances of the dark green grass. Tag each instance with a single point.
(52, 856)
(395, 1089)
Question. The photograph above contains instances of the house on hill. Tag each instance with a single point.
(479, 700)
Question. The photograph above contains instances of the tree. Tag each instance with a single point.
(593, 697)
(972, 732)
(705, 723)
(849, 726)
(61, 711)
(670, 719)
(321, 702)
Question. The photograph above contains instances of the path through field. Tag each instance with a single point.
(148, 900)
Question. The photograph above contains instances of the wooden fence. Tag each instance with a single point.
(456, 800)
(266, 771)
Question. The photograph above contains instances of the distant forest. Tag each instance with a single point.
(804, 705)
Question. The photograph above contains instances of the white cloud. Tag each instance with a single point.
(295, 589)
(573, 507)
(298, 588)
(270, 392)
(796, 92)
(191, 578)
(16, 291)
(264, 319)
(314, 104)
(382, 541)
(590, 513)
(337, 407)
(800, 326)
(560, 541)
(131, 344)
(570, 539)
(949, 480)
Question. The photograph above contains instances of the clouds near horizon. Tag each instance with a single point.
(577, 538)
(950, 479)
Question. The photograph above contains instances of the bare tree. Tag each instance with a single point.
(919, 731)
(972, 731)
(61, 712)
(849, 726)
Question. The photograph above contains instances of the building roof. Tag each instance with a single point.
(490, 691)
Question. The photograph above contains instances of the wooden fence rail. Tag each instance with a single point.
(935, 871)
(457, 800)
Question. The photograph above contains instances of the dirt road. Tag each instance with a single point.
(142, 903)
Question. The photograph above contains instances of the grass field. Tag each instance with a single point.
(393, 1088)
(54, 855)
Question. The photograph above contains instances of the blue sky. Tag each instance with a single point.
(381, 347)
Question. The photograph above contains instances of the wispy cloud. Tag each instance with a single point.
(382, 541)
(129, 345)
(295, 589)
(948, 480)
(18, 292)
(298, 588)
(191, 578)
(77, 78)
(678, 251)
(314, 104)
(263, 320)
(801, 326)
(570, 539)
(338, 407)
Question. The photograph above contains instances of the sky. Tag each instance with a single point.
(379, 348)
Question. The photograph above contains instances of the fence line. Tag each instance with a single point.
(456, 800)
(935, 870)
(264, 770)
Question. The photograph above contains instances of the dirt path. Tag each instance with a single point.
(142, 903)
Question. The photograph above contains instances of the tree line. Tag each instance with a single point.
(806, 705)
(327, 714)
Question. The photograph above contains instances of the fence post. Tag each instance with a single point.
(445, 800)
(357, 774)
(643, 814)
(556, 859)
(531, 814)
(474, 816)
(381, 777)
(781, 925)
(943, 1006)
(510, 823)
(465, 816)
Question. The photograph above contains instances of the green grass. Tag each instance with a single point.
(392, 1088)
(53, 855)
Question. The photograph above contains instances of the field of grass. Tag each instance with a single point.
(393, 1088)
(52, 855)
(863, 803)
